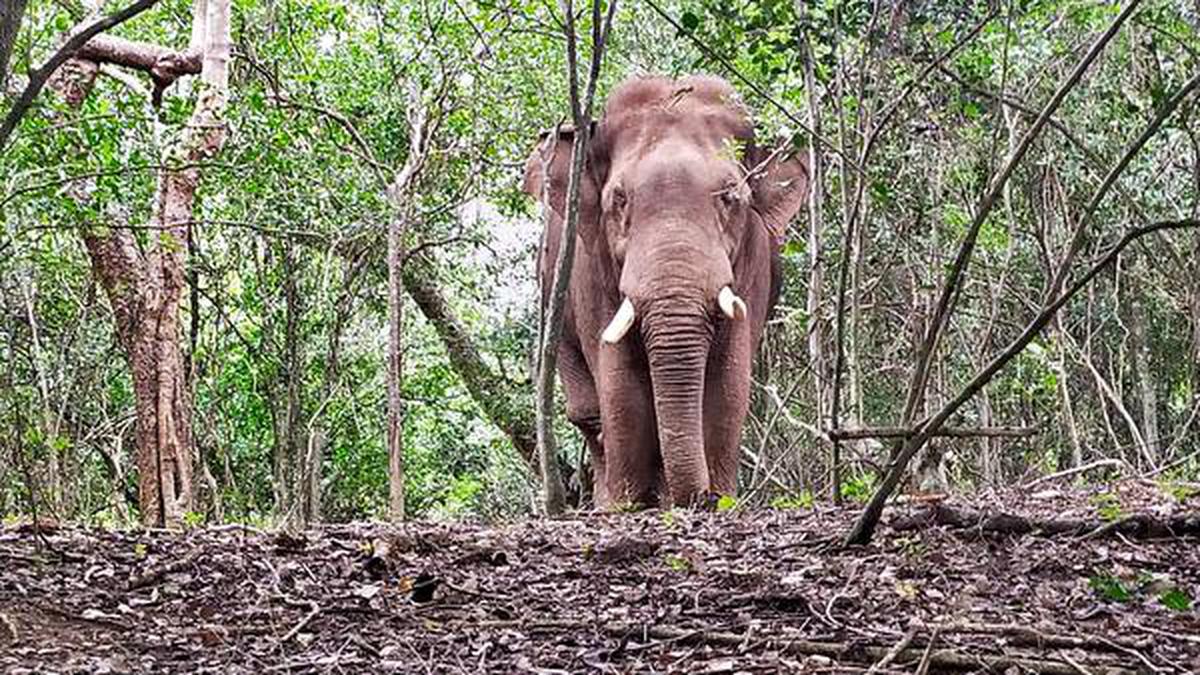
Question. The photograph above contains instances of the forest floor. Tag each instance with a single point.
(655, 592)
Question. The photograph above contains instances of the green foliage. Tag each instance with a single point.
(1176, 599)
(1179, 491)
(1108, 506)
(726, 503)
(1109, 587)
(318, 119)
(801, 501)
(859, 488)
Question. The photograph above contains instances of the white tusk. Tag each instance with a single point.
(733, 306)
(620, 323)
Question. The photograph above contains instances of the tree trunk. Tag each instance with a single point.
(11, 13)
(395, 368)
(1070, 424)
(290, 452)
(145, 289)
(1143, 368)
(816, 274)
(146, 304)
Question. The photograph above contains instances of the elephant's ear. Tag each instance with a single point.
(779, 179)
(547, 172)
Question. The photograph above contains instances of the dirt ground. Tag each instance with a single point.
(654, 592)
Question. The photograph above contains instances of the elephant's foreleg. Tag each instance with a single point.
(583, 410)
(633, 463)
(726, 401)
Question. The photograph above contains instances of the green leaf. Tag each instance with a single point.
(1176, 599)
(690, 21)
(726, 503)
(1110, 588)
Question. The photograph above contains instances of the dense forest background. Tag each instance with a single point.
(347, 117)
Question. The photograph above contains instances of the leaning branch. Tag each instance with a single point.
(38, 77)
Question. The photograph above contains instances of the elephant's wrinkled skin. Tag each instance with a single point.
(677, 203)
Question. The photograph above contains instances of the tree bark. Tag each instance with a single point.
(1064, 389)
(11, 14)
(146, 289)
(554, 492)
(399, 194)
(1147, 388)
(816, 262)
(290, 452)
(395, 367)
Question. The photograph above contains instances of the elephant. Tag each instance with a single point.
(676, 270)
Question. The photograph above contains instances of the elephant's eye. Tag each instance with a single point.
(729, 195)
(619, 199)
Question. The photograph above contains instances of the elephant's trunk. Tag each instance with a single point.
(678, 333)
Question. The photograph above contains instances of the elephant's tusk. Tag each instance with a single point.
(620, 323)
(733, 306)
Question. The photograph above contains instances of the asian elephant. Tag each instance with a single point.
(676, 270)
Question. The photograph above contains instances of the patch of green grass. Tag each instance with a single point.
(1108, 506)
(1175, 599)
(803, 500)
(1110, 588)
(678, 563)
(859, 488)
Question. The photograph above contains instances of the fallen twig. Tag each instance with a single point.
(1076, 470)
(1032, 637)
(923, 668)
(895, 651)
(312, 614)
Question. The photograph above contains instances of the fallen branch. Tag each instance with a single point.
(1028, 636)
(157, 573)
(1071, 472)
(1136, 526)
(951, 432)
(312, 614)
(944, 659)
(895, 651)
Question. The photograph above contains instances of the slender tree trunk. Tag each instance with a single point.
(1144, 373)
(395, 369)
(816, 260)
(1070, 423)
(52, 465)
(320, 431)
(553, 491)
(290, 454)
(11, 13)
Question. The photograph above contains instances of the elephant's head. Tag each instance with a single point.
(674, 188)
